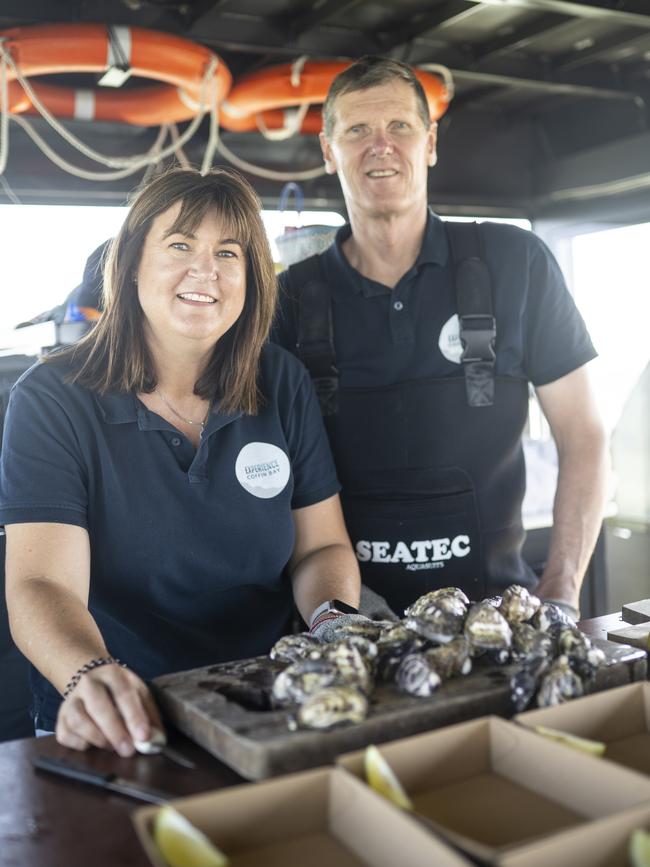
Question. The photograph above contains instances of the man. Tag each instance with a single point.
(424, 423)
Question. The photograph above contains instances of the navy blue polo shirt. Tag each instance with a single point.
(384, 336)
(188, 548)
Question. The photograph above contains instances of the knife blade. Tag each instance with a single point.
(111, 782)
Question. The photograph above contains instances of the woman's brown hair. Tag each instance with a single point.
(115, 356)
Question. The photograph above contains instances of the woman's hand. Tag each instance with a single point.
(109, 708)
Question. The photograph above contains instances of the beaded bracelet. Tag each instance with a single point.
(94, 663)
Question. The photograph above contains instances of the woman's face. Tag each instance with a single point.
(191, 287)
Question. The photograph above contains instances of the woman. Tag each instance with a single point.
(159, 476)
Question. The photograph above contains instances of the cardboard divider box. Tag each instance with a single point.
(603, 843)
(618, 717)
(321, 818)
(490, 786)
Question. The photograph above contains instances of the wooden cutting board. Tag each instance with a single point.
(225, 709)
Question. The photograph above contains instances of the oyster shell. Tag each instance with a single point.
(303, 678)
(528, 641)
(584, 658)
(416, 676)
(291, 648)
(559, 684)
(369, 630)
(354, 662)
(494, 601)
(451, 660)
(331, 707)
(450, 599)
(549, 617)
(435, 624)
(393, 645)
(486, 628)
(517, 604)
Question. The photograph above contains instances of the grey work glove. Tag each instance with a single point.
(567, 609)
(374, 606)
(329, 628)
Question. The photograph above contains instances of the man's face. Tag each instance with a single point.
(381, 150)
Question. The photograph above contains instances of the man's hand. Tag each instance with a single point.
(109, 708)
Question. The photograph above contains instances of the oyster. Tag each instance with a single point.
(354, 662)
(303, 678)
(435, 624)
(393, 645)
(291, 648)
(584, 658)
(331, 707)
(559, 684)
(517, 604)
(494, 601)
(369, 630)
(450, 599)
(549, 617)
(417, 676)
(528, 641)
(486, 628)
(451, 660)
(492, 655)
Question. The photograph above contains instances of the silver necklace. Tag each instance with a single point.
(200, 424)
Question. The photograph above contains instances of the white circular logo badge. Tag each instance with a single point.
(449, 341)
(262, 469)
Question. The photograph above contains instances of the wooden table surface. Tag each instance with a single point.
(47, 821)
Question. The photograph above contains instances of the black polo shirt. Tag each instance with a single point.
(384, 336)
(188, 548)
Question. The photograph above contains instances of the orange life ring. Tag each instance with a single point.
(54, 48)
(266, 93)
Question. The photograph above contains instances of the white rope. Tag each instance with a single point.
(444, 73)
(153, 155)
(179, 153)
(269, 174)
(103, 159)
(213, 136)
(293, 122)
(296, 69)
(9, 193)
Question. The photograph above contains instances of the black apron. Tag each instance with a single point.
(432, 470)
(432, 487)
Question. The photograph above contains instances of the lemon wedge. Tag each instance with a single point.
(639, 848)
(183, 845)
(594, 748)
(381, 777)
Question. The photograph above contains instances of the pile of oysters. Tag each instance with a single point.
(442, 635)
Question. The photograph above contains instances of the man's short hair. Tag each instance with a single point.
(372, 71)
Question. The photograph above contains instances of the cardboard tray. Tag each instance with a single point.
(598, 844)
(321, 818)
(490, 787)
(619, 717)
(220, 708)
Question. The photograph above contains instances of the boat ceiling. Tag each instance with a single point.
(549, 118)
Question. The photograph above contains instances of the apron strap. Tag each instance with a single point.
(315, 333)
(474, 301)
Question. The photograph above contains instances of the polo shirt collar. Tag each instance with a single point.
(345, 279)
(126, 408)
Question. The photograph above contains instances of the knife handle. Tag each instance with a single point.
(72, 770)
